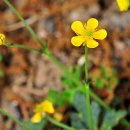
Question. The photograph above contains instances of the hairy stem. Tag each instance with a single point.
(25, 23)
(87, 92)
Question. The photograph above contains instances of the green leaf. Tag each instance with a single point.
(112, 118)
(109, 87)
(76, 121)
(114, 71)
(61, 97)
(35, 126)
(99, 82)
(95, 114)
(65, 96)
(80, 105)
(103, 71)
(52, 95)
(66, 80)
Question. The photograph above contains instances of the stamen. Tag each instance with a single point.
(89, 34)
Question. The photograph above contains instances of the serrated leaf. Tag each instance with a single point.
(76, 122)
(80, 105)
(67, 81)
(35, 126)
(112, 118)
(61, 97)
(95, 114)
(52, 95)
(65, 96)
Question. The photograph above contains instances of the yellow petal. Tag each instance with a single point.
(48, 107)
(77, 40)
(91, 25)
(2, 38)
(101, 34)
(58, 116)
(78, 28)
(92, 43)
(36, 118)
(123, 4)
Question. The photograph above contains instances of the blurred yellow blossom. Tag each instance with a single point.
(123, 4)
(58, 116)
(37, 117)
(2, 38)
(46, 107)
(87, 33)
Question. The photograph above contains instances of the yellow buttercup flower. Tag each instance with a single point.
(2, 38)
(123, 4)
(58, 116)
(46, 107)
(87, 33)
(37, 117)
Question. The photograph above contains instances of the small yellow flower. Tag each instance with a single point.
(87, 33)
(123, 4)
(2, 38)
(46, 107)
(58, 116)
(37, 117)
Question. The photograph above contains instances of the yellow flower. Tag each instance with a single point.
(58, 116)
(37, 117)
(87, 33)
(47, 107)
(2, 38)
(123, 4)
(41, 109)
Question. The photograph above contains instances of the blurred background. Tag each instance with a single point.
(26, 77)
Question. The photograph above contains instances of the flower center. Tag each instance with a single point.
(89, 34)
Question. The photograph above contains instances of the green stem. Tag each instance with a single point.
(86, 64)
(90, 121)
(59, 124)
(21, 46)
(13, 118)
(124, 122)
(25, 23)
(89, 107)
